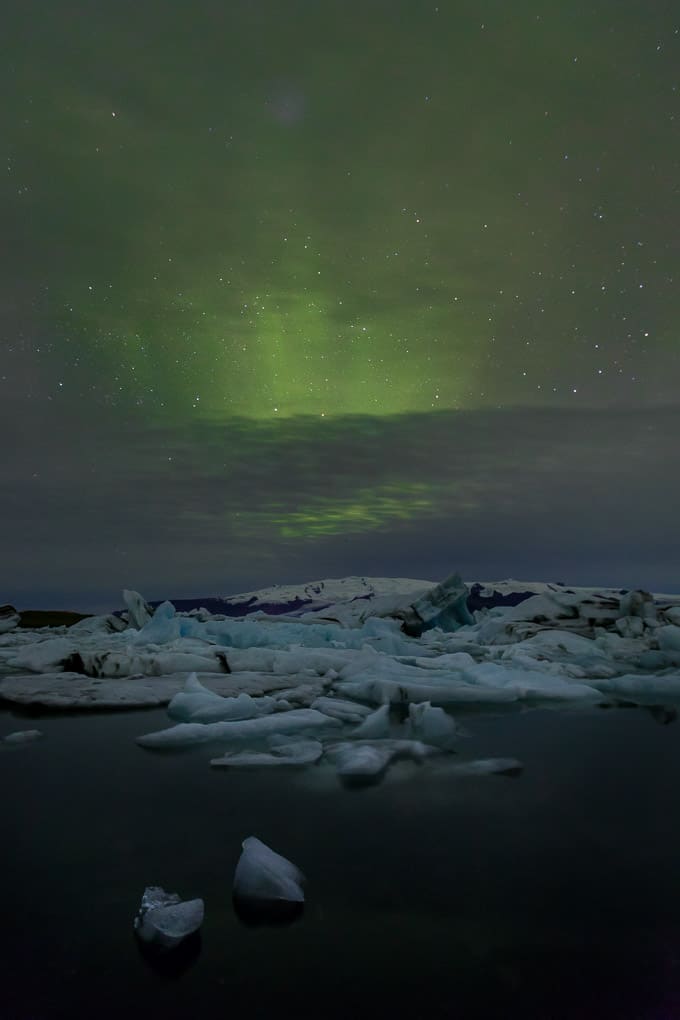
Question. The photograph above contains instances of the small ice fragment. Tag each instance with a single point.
(22, 736)
(165, 919)
(267, 886)
(362, 764)
(365, 762)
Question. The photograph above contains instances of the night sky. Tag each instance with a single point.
(305, 288)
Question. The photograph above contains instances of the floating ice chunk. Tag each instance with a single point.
(362, 764)
(242, 731)
(433, 725)
(365, 762)
(243, 706)
(487, 767)
(346, 711)
(121, 663)
(97, 626)
(293, 754)
(22, 736)
(642, 684)
(538, 684)
(267, 886)
(668, 638)
(139, 612)
(197, 703)
(165, 919)
(450, 661)
(638, 604)
(303, 695)
(375, 726)
(43, 656)
(74, 690)
(652, 659)
(630, 626)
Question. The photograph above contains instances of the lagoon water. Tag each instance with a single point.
(554, 894)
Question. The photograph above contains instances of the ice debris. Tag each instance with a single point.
(165, 919)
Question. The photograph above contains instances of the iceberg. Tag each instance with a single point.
(444, 606)
(165, 919)
(139, 611)
(267, 886)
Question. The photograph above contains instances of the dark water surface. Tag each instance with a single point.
(555, 894)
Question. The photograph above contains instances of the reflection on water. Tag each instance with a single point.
(171, 963)
(553, 894)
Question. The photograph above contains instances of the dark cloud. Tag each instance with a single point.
(586, 497)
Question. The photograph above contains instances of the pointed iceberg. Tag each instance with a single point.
(267, 886)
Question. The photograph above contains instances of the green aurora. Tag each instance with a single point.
(335, 209)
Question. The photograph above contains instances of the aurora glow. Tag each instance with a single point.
(311, 213)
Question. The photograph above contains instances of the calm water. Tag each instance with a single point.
(555, 894)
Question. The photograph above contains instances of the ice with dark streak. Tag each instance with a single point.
(165, 919)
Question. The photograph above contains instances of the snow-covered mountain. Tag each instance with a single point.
(299, 598)
(314, 596)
